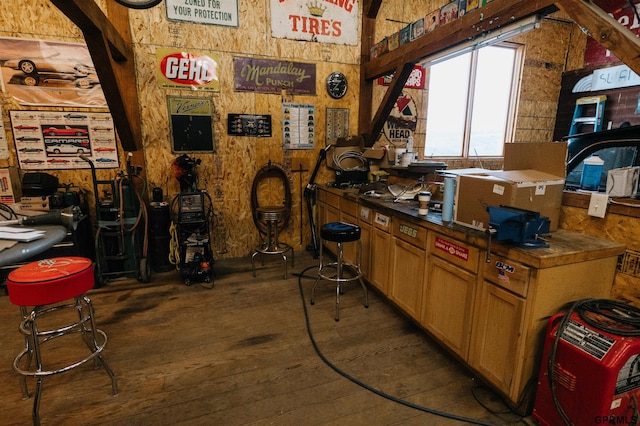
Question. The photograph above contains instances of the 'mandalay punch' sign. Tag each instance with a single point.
(326, 21)
(272, 76)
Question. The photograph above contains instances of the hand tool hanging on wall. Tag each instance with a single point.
(300, 170)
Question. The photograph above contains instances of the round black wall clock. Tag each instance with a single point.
(139, 4)
(337, 85)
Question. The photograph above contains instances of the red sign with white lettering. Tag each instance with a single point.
(195, 70)
(452, 248)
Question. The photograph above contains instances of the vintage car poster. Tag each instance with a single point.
(58, 139)
(328, 21)
(47, 73)
(187, 70)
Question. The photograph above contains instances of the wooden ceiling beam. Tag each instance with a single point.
(624, 44)
(109, 43)
(477, 24)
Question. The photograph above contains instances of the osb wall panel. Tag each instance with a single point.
(227, 175)
(614, 227)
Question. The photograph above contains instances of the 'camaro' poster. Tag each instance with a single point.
(64, 140)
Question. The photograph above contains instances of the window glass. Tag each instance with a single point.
(448, 94)
(470, 105)
(491, 101)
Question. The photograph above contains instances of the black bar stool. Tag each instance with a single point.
(46, 290)
(340, 233)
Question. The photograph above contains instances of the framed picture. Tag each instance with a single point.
(191, 122)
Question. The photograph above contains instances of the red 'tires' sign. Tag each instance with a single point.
(193, 69)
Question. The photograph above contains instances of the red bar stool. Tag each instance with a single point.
(43, 290)
(340, 233)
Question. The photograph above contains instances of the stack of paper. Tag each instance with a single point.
(20, 234)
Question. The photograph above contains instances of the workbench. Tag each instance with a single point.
(489, 308)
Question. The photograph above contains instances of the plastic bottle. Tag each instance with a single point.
(447, 202)
(591, 173)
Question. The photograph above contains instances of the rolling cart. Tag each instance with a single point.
(121, 228)
(192, 222)
(192, 213)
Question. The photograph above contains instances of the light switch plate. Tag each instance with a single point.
(598, 204)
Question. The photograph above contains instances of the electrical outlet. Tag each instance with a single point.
(598, 204)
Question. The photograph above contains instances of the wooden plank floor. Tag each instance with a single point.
(239, 354)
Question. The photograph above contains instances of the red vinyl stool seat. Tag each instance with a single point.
(340, 233)
(44, 290)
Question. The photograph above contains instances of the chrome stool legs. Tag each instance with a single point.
(94, 338)
(340, 266)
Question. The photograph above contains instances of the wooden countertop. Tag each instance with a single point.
(564, 246)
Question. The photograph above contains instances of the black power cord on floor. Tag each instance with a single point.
(364, 385)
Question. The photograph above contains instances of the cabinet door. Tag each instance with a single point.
(380, 248)
(448, 304)
(366, 236)
(407, 276)
(496, 338)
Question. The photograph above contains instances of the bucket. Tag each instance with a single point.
(591, 173)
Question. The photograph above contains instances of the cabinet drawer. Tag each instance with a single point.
(508, 274)
(382, 221)
(454, 251)
(365, 214)
(349, 207)
(332, 200)
(322, 195)
(411, 233)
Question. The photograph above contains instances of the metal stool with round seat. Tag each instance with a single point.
(51, 294)
(340, 233)
(271, 218)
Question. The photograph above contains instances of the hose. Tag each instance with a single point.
(364, 385)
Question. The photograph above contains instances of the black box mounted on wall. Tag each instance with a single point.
(38, 184)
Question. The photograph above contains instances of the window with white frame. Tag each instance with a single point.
(472, 102)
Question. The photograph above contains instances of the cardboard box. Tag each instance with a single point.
(532, 179)
(10, 189)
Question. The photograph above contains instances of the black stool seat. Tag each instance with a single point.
(340, 232)
(345, 272)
